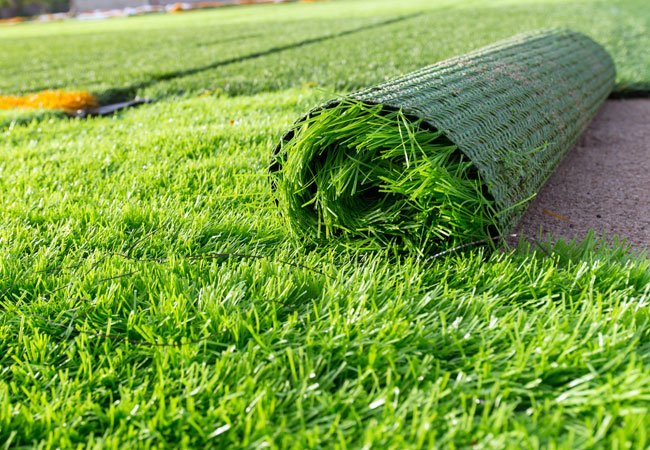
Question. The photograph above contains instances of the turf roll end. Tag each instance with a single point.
(373, 177)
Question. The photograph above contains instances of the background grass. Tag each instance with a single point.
(159, 56)
(150, 296)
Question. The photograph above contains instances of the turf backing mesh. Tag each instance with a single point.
(513, 109)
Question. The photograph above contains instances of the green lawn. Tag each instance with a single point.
(274, 47)
(152, 296)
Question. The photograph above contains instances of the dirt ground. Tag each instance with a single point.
(603, 183)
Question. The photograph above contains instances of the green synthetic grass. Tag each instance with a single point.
(13, 117)
(161, 56)
(379, 180)
(151, 296)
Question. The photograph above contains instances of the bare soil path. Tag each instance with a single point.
(603, 183)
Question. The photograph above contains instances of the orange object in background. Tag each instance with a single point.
(12, 20)
(176, 8)
(69, 101)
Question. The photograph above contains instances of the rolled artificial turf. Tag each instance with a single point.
(446, 155)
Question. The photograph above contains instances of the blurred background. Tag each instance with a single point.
(11, 9)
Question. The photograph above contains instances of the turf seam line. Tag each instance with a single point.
(126, 92)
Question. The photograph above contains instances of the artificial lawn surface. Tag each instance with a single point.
(274, 47)
(152, 294)
(369, 178)
(125, 322)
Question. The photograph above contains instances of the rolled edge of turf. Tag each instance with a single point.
(513, 108)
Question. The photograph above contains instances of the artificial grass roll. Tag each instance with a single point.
(446, 155)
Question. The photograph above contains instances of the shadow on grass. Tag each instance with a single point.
(240, 37)
(631, 90)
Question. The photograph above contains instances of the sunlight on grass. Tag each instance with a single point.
(158, 300)
(153, 294)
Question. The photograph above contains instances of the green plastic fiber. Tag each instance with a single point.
(445, 155)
